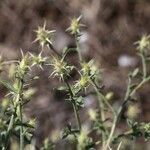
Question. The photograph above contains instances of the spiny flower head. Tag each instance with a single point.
(82, 83)
(144, 43)
(75, 26)
(38, 60)
(86, 68)
(90, 69)
(61, 68)
(44, 36)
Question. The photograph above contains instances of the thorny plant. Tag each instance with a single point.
(14, 124)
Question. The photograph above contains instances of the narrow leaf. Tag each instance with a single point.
(8, 85)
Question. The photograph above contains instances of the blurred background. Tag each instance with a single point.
(112, 26)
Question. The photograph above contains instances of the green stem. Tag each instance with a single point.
(102, 96)
(8, 131)
(74, 106)
(118, 115)
(103, 119)
(111, 133)
(19, 108)
(10, 123)
(102, 114)
(69, 87)
(77, 116)
(126, 99)
(102, 99)
(21, 130)
(18, 105)
(140, 85)
(78, 48)
(144, 65)
(131, 93)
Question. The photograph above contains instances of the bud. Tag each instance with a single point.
(5, 103)
(24, 64)
(133, 111)
(93, 114)
(55, 135)
(83, 140)
(29, 93)
(109, 95)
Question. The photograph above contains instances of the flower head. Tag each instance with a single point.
(61, 68)
(44, 36)
(82, 83)
(75, 26)
(38, 60)
(90, 69)
(144, 43)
